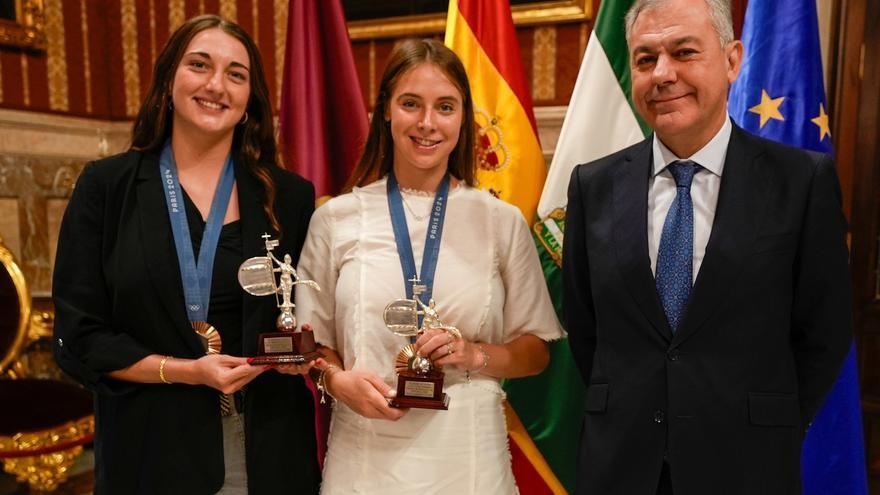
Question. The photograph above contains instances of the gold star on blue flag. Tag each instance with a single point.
(783, 60)
(768, 108)
(781, 39)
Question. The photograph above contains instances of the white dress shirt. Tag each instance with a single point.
(704, 192)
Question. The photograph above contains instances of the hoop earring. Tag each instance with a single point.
(244, 119)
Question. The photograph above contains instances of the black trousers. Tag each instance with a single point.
(664, 487)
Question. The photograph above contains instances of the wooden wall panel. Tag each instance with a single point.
(193, 8)
(266, 43)
(361, 52)
(13, 94)
(146, 32)
(111, 55)
(245, 15)
(106, 60)
(97, 37)
(207, 6)
(95, 58)
(75, 54)
(526, 39)
(568, 58)
(39, 89)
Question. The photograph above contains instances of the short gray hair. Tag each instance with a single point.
(719, 14)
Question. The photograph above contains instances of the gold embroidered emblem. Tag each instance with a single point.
(549, 232)
(492, 153)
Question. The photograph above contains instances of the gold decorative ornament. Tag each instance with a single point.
(549, 231)
(229, 10)
(152, 10)
(43, 458)
(56, 57)
(408, 360)
(25, 79)
(255, 15)
(41, 325)
(176, 14)
(28, 29)
(493, 154)
(281, 12)
(544, 63)
(86, 63)
(16, 277)
(130, 66)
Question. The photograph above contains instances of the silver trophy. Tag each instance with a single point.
(257, 277)
(419, 381)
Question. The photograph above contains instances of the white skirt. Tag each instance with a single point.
(463, 450)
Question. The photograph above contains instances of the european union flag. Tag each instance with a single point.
(780, 95)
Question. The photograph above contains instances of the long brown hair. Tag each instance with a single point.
(253, 141)
(378, 156)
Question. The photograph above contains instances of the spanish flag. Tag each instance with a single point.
(511, 164)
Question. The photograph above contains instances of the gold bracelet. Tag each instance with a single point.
(322, 382)
(162, 369)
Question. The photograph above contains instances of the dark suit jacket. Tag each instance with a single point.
(118, 298)
(726, 400)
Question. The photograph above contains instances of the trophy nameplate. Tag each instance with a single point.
(288, 345)
(419, 381)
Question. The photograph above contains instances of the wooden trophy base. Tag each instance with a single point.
(420, 391)
(417, 403)
(286, 348)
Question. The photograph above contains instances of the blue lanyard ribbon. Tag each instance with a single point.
(432, 237)
(196, 278)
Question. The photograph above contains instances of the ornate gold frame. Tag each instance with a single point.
(28, 30)
(523, 15)
(24, 306)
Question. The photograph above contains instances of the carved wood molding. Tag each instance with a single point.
(28, 29)
(553, 11)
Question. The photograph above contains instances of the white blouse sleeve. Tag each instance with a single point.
(527, 305)
(317, 262)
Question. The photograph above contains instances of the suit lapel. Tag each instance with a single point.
(253, 225)
(630, 199)
(741, 199)
(158, 246)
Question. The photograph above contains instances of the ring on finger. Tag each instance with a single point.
(449, 349)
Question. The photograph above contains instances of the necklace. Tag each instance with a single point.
(410, 208)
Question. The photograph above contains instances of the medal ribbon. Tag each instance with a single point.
(432, 237)
(196, 278)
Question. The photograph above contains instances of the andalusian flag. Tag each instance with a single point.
(600, 120)
(512, 167)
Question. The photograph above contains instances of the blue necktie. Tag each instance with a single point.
(675, 257)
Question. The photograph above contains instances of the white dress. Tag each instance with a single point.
(488, 283)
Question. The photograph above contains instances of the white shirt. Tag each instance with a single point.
(704, 192)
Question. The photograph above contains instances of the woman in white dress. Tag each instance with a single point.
(487, 283)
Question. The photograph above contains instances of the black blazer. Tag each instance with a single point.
(118, 298)
(726, 400)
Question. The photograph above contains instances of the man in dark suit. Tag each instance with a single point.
(707, 292)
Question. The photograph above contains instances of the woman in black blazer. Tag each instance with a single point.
(123, 327)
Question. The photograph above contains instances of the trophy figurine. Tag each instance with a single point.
(419, 381)
(257, 277)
